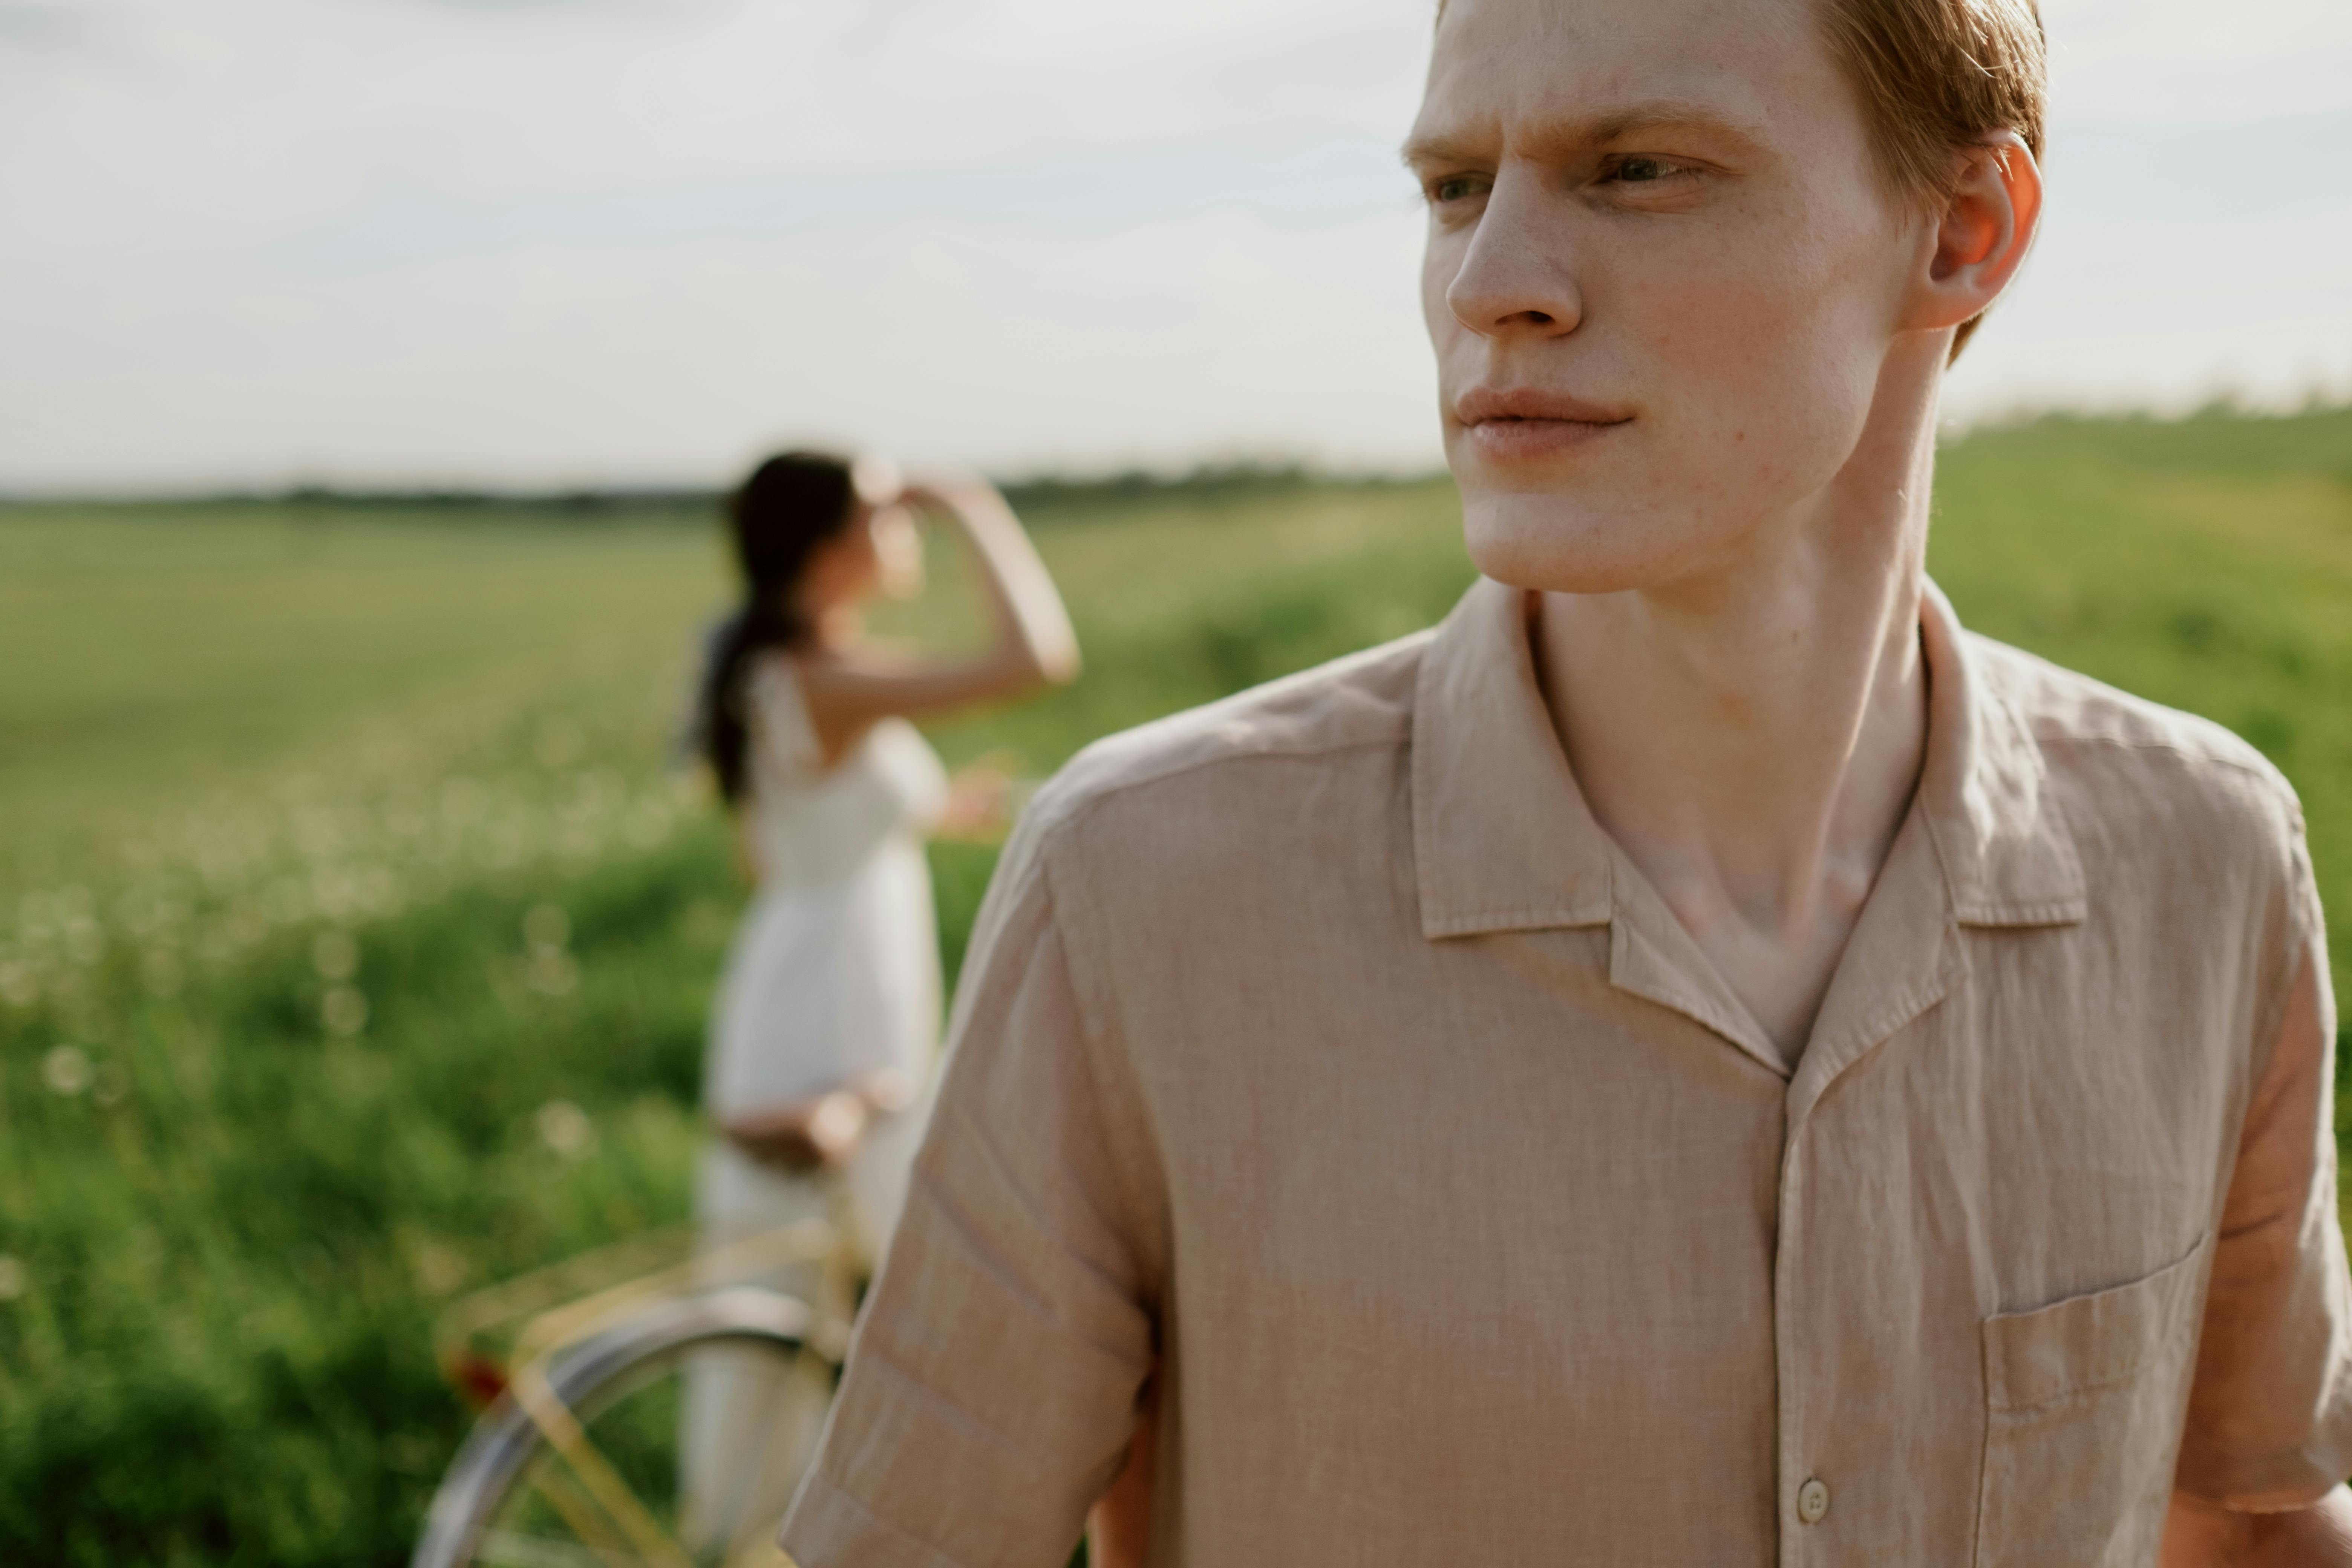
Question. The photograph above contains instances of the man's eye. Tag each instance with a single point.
(1642, 170)
(1455, 188)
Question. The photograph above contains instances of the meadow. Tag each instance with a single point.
(357, 916)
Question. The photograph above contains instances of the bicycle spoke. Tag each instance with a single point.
(596, 1538)
(613, 1499)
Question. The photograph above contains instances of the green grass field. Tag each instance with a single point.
(342, 848)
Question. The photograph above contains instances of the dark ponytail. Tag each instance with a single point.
(791, 505)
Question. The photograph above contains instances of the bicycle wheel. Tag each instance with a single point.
(700, 1412)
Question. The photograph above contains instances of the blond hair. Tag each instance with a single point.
(1939, 76)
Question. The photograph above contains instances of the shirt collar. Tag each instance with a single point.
(1502, 837)
(1503, 840)
(1986, 792)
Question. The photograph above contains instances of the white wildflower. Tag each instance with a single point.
(66, 1069)
(551, 972)
(565, 1128)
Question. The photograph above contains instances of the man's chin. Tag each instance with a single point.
(1550, 544)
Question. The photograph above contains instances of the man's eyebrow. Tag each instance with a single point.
(1443, 148)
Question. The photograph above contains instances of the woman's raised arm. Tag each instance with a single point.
(1031, 643)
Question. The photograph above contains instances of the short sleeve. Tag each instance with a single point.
(991, 1391)
(2270, 1413)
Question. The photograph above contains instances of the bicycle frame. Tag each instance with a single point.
(551, 1318)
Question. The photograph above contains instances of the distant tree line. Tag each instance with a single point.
(1042, 495)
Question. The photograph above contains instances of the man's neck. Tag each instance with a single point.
(1751, 737)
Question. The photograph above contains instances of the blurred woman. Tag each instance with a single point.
(828, 1012)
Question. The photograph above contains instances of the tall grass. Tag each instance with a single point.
(356, 928)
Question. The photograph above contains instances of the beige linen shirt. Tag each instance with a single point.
(1320, 1049)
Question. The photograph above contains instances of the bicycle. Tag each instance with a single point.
(585, 1452)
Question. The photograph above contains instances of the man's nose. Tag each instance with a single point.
(1515, 278)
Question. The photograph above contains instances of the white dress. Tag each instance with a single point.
(833, 976)
(835, 972)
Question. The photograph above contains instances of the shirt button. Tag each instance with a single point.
(1812, 1502)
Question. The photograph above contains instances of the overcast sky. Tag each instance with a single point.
(582, 241)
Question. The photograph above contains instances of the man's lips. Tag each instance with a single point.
(1489, 405)
(1518, 424)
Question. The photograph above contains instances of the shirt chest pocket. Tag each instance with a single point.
(2083, 1401)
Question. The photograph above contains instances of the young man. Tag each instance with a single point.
(1697, 1061)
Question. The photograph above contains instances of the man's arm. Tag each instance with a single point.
(2200, 1534)
(990, 1392)
(2269, 1431)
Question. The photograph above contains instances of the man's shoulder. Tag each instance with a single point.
(1319, 718)
(2134, 758)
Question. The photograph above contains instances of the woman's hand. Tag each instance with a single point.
(984, 797)
(1034, 645)
(876, 481)
(804, 1137)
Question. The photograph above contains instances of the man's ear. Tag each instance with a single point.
(1981, 236)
